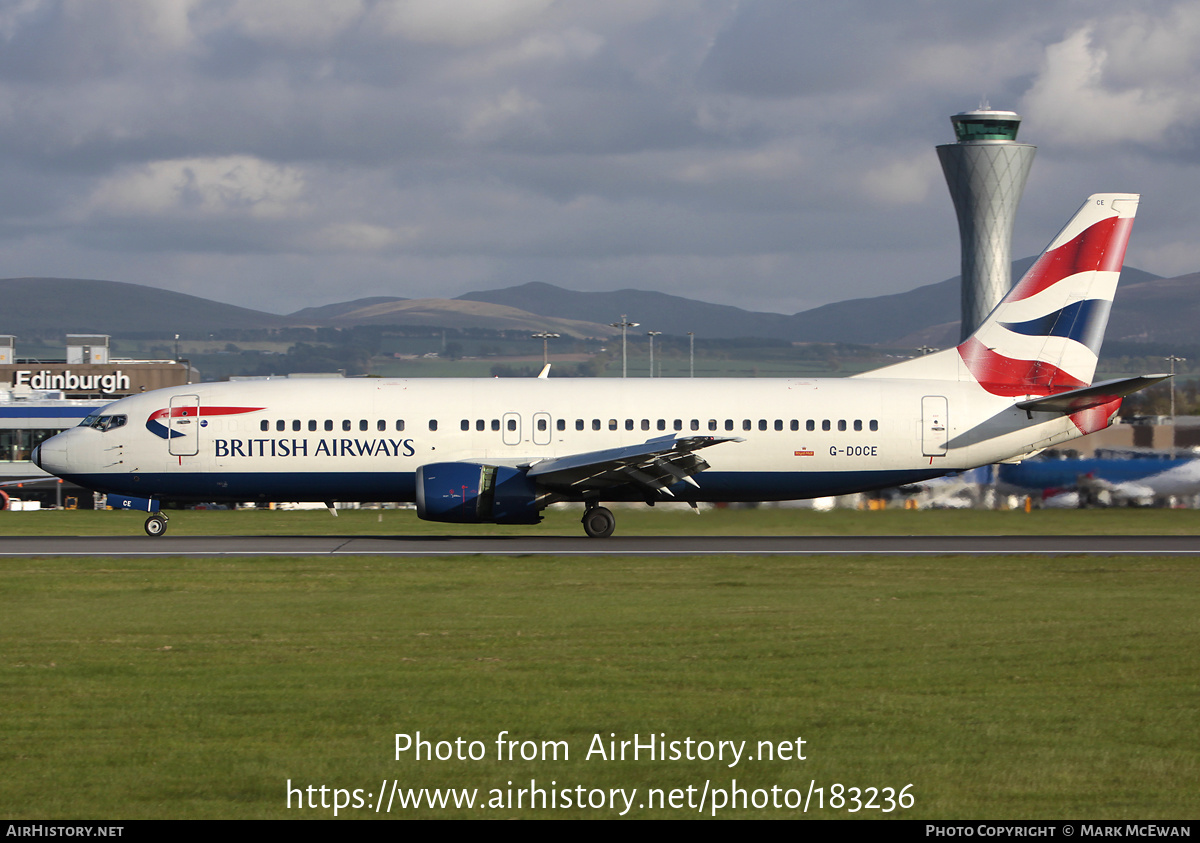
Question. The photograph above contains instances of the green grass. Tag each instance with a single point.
(999, 687)
(631, 521)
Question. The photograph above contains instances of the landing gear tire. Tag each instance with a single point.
(599, 523)
(156, 525)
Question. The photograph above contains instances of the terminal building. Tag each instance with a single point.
(39, 398)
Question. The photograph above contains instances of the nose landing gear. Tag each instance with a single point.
(156, 525)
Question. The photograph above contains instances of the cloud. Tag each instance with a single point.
(237, 185)
(307, 24)
(738, 150)
(1073, 103)
(461, 23)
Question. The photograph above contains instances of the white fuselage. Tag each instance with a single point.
(363, 439)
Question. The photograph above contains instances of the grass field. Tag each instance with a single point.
(631, 521)
(997, 687)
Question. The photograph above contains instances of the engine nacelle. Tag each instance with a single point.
(471, 493)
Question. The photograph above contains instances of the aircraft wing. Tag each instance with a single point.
(30, 481)
(651, 466)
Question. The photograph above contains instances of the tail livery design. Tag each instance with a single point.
(1044, 337)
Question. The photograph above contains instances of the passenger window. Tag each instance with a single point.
(762, 424)
(362, 424)
(858, 424)
(662, 424)
(264, 425)
(280, 425)
(464, 424)
(345, 424)
(729, 424)
(825, 425)
(595, 424)
(629, 424)
(399, 424)
(645, 424)
(561, 424)
(312, 424)
(695, 424)
(712, 424)
(512, 424)
(480, 424)
(381, 425)
(678, 424)
(747, 424)
(495, 424)
(810, 425)
(841, 424)
(779, 424)
(433, 424)
(329, 424)
(541, 424)
(579, 424)
(295, 424)
(874, 425)
(795, 424)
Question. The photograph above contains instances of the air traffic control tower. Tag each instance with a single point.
(986, 172)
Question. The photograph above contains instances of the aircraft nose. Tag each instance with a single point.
(51, 455)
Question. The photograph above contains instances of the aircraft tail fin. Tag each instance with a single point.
(1044, 336)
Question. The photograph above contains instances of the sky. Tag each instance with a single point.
(770, 154)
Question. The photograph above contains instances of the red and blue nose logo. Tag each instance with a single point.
(155, 425)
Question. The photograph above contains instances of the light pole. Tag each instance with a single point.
(691, 354)
(545, 337)
(652, 335)
(624, 325)
(1173, 360)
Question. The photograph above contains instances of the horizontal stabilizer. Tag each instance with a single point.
(1090, 396)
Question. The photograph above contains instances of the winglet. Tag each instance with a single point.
(545, 373)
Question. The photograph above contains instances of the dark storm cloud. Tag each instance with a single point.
(775, 154)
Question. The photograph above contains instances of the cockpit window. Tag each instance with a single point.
(104, 422)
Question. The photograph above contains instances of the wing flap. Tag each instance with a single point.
(652, 466)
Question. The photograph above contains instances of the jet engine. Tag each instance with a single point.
(472, 493)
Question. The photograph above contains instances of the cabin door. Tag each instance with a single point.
(935, 425)
(184, 425)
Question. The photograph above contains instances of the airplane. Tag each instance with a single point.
(501, 450)
(1113, 475)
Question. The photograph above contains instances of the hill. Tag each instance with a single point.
(452, 313)
(71, 305)
(876, 320)
(1161, 310)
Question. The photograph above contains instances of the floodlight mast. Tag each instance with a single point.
(1173, 359)
(545, 337)
(624, 325)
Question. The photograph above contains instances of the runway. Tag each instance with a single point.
(134, 546)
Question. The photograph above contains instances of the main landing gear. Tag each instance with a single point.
(598, 522)
(156, 525)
